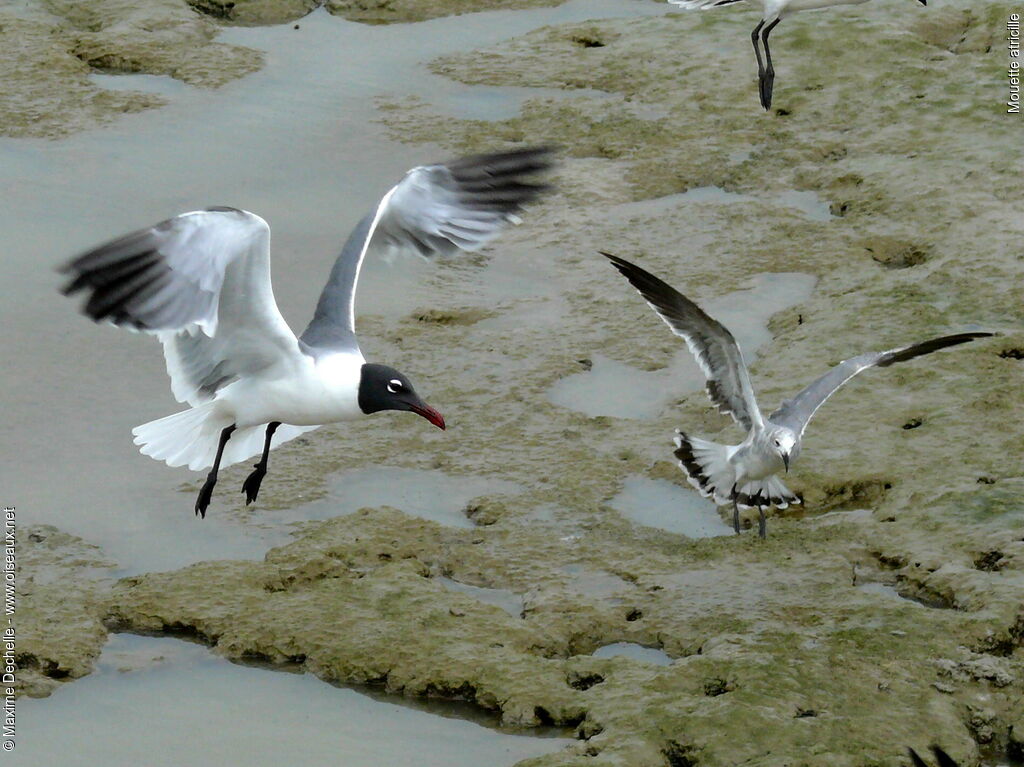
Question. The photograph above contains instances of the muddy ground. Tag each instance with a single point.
(892, 114)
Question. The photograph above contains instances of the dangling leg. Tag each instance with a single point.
(251, 488)
(735, 510)
(754, 37)
(762, 525)
(206, 491)
(768, 80)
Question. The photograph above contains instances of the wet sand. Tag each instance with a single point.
(841, 639)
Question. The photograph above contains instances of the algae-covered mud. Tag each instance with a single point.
(530, 576)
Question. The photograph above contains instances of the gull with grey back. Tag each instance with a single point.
(773, 12)
(200, 282)
(745, 475)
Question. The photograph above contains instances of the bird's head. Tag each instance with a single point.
(785, 442)
(384, 388)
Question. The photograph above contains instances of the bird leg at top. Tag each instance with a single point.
(735, 510)
(767, 75)
(206, 491)
(251, 487)
(754, 37)
(762, 526)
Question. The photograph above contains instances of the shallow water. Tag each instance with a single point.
(162, 85)
(612, 388)
(668, 506)
(431, 495)
(185, 705)
(508, 601)
(635, 652)
(887, 591)
(806, 202)
(306, 153)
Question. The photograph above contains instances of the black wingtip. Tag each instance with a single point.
(944, 759)
(916, 760)
(932, 345)
(641, 279)
(524, 161)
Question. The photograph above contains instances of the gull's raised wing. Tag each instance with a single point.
(702, 5)
(711, 343)
(434, 209)
(201, 283)
(795, 413)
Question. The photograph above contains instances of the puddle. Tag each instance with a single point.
(162, 85)
(247, 716)
(667, 506)
(597, 584)
(806, 202)
(635, 652)
(612, 388)
(312, 176)
(508, 601)
(887, 591)
(431, 495)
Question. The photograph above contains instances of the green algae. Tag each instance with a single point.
(62, 584)
(50, 47)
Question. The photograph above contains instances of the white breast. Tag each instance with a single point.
(313, 392)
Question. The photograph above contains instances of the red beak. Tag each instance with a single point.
(430, 414)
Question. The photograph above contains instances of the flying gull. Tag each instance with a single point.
(774, 12)
(200, 282)
(744, 475)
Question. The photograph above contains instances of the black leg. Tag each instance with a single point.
(768, 78)
(762, 526)
(206, 491)
(735, 510)
(251, 488)
(754, 37)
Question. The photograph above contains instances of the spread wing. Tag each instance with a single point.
(797, 412)
(433, 210)
(942, 758)
(200, 282)
(703, 5)
(710, 342)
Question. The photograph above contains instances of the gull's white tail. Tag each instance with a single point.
(769, 491)
(190, 438)
(707, 466)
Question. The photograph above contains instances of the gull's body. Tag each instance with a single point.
(773, 11)
(746, 475)
(201, 283)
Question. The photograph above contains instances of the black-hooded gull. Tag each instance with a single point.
(201, 283)
(744, 475)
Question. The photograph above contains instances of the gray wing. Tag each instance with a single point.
(433, 210)
(200, 282)
(710, 342)
(797, 412)
(703, 5)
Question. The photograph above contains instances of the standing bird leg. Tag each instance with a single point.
(735, 510)
(754, 37)
(206, 491)
(251, 487)
(762, 526)
(767, 75)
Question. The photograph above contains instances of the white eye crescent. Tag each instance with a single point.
(394, 386)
